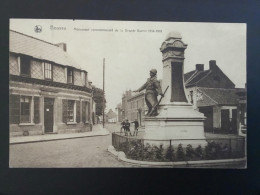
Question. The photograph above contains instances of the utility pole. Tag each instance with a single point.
(103, 92)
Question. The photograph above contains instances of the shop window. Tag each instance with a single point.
(20, 109)
(47, 71)
(70, 75)
(25, 66)
(25, 103)
(70, 111)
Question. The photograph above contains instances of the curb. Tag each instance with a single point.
(121, 156)
(55, 139)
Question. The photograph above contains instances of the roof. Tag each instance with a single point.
(37, 48)
(188, 75)
(111, 114)
(220, 96)
(193, 79)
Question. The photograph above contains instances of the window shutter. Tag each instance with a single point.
(88, 111)
(14, 109)
(64, 110)
(78, 111)
(36, 110)
(84, 112)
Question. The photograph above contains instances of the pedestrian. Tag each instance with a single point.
(122, 127)
(127, 127)
(136, 127)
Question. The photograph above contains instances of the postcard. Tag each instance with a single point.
(133, 94)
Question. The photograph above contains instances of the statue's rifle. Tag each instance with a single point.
(155, 107)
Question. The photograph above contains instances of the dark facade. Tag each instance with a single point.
(214, 94)
(48, 91)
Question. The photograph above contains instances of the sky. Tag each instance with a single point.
(132, 48)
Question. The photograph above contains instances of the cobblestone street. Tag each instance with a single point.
(79, 152)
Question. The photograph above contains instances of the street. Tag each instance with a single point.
(76, 152)
(79, 152)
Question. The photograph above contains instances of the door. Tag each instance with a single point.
(208, 113)
(48, 114)
(225, 123)
(234, 121)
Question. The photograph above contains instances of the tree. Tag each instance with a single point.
(98, 98)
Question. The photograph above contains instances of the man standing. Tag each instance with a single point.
(122, 126)
(127, 127)
(136, 127)
(153, 88)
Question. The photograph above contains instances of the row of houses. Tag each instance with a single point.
(210, 91)
(48, 91)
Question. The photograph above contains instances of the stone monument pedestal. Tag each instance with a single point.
(180, 124)
(177, 120)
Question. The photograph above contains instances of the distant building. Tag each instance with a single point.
(111, 116)
(136, 107)
(214, 94)
(119, 112)
(48, 91)
(125, 97)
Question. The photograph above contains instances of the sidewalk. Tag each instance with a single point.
(98, 130)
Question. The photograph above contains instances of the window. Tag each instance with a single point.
(70, 111)
(25, 103)
(70, 75)
(47, 71)
(21, 109)
(25, 65)
(14, 109)
(83, 75)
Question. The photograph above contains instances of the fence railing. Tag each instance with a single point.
(139, 148)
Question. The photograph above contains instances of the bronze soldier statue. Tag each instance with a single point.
(153, 88)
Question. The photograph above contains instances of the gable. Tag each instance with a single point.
(216, 79)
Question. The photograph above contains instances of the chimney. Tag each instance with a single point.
(200, 67)
(212, 64)
(63, 46)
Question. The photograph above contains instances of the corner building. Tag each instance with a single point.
(48, 91)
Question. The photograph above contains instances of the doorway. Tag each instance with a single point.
(225, 121)
(48, 115)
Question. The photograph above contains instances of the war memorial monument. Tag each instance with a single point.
(175, 119)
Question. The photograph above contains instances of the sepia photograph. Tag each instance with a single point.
(127, 94)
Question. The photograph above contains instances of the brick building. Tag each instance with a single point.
(214, 94)
(137, 107)
(125, 109)
(49, 92)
